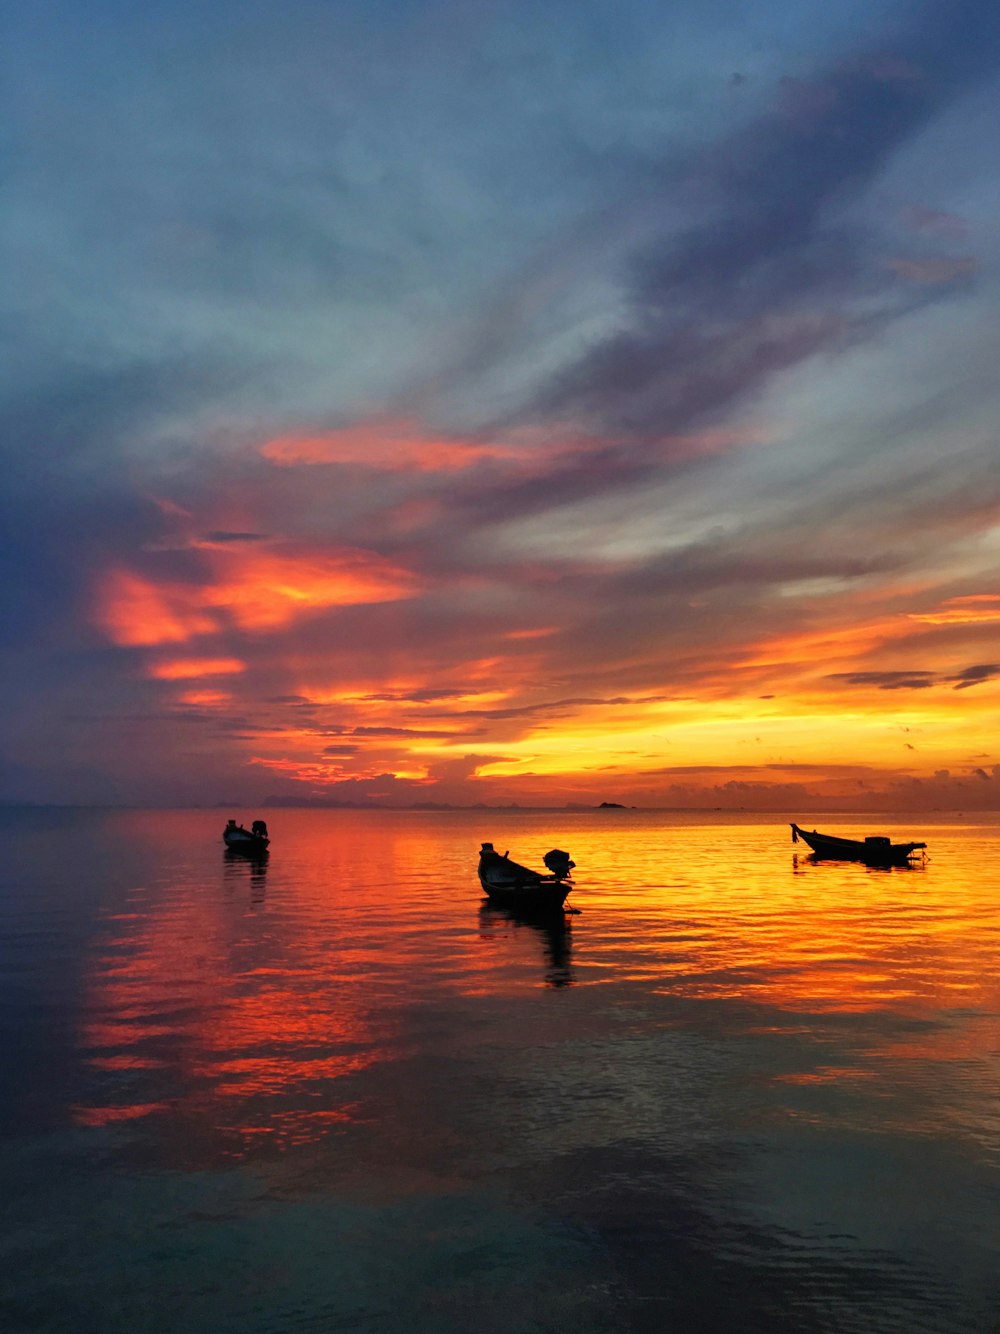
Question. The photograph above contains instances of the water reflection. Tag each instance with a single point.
(552, 930)
(249, 865)
(778, 1075)
(802, 860)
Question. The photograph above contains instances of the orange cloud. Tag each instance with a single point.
(180, 669)
(382, 443)
(319, 774)
(385, 443)
(134, 612)
(976, 608)
(823, 645)
(267, 590)
(416, 691)
(541, 632)
(259, 590)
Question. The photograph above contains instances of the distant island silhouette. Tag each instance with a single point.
(334, 803)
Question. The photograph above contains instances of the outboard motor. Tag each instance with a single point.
(259, 828)
(559, 863)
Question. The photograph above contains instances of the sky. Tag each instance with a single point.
(481, 402)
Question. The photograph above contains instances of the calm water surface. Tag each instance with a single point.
(737, 1091)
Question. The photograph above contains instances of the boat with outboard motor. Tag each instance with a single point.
(519, 888)
(875, 850)
(254, 839)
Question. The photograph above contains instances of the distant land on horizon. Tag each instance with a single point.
(320, 803)
(781, 814)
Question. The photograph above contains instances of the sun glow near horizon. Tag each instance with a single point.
(345, 670)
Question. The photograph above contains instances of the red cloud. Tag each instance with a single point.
(384, 443)
(260, 590)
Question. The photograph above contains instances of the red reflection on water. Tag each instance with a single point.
(249, 999)
(245, 1016)
(108, 1115)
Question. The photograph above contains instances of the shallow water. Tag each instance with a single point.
(738, 1090)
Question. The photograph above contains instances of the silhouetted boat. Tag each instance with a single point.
(876, 850)
(253, 840)
(520, 889)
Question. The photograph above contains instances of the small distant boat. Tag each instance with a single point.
(254, 839)
(875, 850)
(510, 885)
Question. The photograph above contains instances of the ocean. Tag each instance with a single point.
(735, 1090)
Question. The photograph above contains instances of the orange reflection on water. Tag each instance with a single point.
(258, 1001)
(740, 918)
(249, 1051)
(827, 1074)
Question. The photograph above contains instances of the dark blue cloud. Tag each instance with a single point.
(772, 273)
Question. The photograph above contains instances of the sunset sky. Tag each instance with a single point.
(502, 402)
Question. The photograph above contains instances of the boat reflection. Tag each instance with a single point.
(807, 861)
(252, 865)
(553, 929)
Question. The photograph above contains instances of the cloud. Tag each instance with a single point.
(183, 669)
(971, 609)
(221, 535)
(403, 731)
(973, 676)
(934, 221)
(555, 707)
(900, 680)
(259, 591)
(918, 679)
(771, 275)
(387, 444)
(934, 270)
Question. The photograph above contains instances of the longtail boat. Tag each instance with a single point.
(253, 840)
(876, 850)
(510, 885)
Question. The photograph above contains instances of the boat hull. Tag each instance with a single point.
(540, 896)
(871, 851)
(238, 840)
